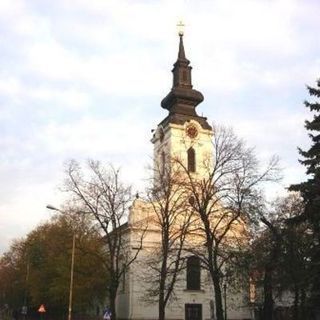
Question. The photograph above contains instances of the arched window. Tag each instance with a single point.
(192, 200)
(191, 160)
(193, 273)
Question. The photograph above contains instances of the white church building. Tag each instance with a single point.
(185, 134)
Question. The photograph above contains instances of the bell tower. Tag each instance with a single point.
(183, 134)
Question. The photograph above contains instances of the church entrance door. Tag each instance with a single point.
(193, 311)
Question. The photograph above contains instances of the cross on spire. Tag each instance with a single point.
(180, 26)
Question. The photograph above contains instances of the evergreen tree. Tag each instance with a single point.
(310, 191)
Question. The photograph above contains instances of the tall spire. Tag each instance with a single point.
(181, 69)
(182, 100)
(181, 54)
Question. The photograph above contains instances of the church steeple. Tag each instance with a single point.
(182, 134)
(182, 70)
(181, 54)
(182, 100)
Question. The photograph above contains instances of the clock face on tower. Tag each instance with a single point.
(191, 131)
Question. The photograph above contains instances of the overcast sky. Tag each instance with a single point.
(84, 79)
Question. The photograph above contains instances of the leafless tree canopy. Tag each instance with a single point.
(97, 191)
(225, 196)
(171, 216)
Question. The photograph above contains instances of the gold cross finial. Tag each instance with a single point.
(180, 27)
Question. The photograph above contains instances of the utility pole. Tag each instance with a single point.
(71, 276)
(24, 309)
(50, 207)
(225, 300)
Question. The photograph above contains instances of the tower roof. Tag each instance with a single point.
(181, 54)
(182, 99)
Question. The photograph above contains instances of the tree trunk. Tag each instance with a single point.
(295, 315)
(162, 309)
(302, 307)
(218, 298)
(112, 296)
(267, 312)
(161, 304)
(163, 276)
(315, 273)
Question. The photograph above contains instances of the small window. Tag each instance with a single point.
(191, 160)
(193, 273)
(123, 286)
(184, 75)
(163, 162)
(191, 201)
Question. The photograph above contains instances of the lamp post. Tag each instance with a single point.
(24, 309)
(71, 276)
(50, 207)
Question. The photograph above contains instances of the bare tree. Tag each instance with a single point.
(99, 193)
(270, 265)
(296, 260)
(223, 195)
(171, 218)
(281, 255)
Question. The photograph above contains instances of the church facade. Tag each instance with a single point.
(185, 135)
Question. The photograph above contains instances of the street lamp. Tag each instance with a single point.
(24, 309)
(50, 207)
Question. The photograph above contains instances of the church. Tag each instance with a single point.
(188, 136)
